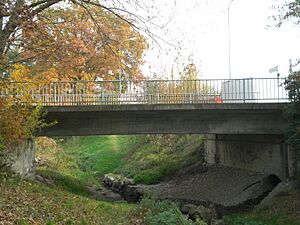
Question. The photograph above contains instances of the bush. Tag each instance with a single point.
(148, 177)
(164, 213)
(243, 221)
(292, 112)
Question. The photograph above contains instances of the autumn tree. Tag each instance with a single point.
(46, 40)
(15, 15)
(71, 44)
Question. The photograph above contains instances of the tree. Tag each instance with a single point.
(292, 112)
(289, 12)
(17, 15)
(69, 44)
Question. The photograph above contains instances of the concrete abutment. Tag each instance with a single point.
(267, 154)
(19, 159)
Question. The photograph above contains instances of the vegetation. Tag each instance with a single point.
(147, 159)
(293, 116)
(18, 121)
(23, 202)
(154, 157)
(76, 163)
(283, 211)
(40, 43)
(19, 19)
(164, 213)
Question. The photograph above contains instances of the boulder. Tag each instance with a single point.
(116, 183)
(187, 208)
(217, 222)
(208, 215)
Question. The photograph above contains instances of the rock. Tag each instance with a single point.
(282, 187)
(102, 193)
(117, 183)
(133, 193)
(185, 209)
(112, 196)
(206, 214)
(124, 186)
(44, 180)
(217, 222)
(39, 178)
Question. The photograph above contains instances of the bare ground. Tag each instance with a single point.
(229, 189)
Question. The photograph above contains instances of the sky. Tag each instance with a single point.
(201, 29)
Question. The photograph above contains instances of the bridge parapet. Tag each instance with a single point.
(125, 92)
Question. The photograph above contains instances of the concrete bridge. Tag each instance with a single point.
(242, 118)
(230, 118)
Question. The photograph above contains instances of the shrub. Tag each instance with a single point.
(148, 176)
(164, 213)
(243, 221)
(292, 112)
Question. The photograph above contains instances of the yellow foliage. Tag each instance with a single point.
(83, 45)
(19, 73)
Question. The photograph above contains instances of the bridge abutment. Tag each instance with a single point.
(255, 152)
(19, 159)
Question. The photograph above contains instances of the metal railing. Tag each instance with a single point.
(119, 92)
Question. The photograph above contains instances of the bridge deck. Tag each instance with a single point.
(166, 119)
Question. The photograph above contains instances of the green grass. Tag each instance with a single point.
(155, 157)
(284, 210)
(261, 218)
(148, 159)
(25, 202)
(102, 154)
(86, 159)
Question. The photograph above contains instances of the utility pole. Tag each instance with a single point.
(229, 41)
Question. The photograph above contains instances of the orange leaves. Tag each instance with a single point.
(77, 43)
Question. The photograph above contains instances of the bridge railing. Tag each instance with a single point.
(251, 90)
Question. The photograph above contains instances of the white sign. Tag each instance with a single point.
(274, 69)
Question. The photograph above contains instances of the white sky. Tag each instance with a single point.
(201, 28)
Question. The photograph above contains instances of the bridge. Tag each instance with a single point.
(242, 118)
(237, 106)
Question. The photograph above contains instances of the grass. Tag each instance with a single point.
(80, 162)
(25, 202)
(74, 164)
(148, 159)
(155, 157)
(285, 210)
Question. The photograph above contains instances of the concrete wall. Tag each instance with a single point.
(20, 159)
(166, 119)
(261, 153)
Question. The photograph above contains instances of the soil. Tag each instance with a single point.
(226, 188)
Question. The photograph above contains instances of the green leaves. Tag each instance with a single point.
(292, 113)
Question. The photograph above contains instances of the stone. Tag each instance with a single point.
(116, 182)
(217, 222)
(132, 193)
(186, 208)
(123, 186)
(206, 214)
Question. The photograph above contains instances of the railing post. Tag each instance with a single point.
(244, 91)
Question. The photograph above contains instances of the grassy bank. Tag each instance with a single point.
(24, 202)
(284, 210)
(147, 159)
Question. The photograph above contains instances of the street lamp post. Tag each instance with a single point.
(229, 41)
